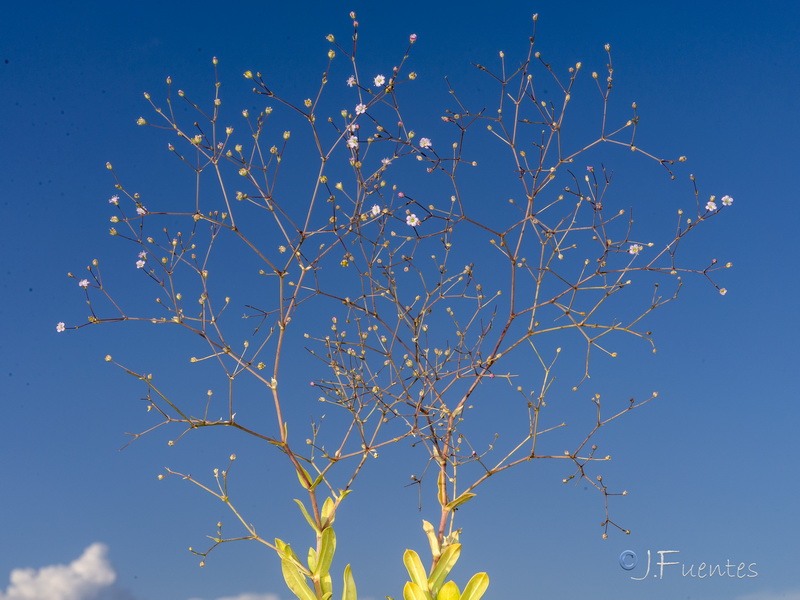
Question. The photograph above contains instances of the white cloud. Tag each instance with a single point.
(83, 579)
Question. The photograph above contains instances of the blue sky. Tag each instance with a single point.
(708, 465)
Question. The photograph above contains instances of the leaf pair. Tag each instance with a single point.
(433, 587)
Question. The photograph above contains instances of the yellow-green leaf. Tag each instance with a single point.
(312, 560)
(306, 515)
(460, 500)
(415, 569)
(295, 581)
(328, 512)
(326, 551)
(286, 553)
(446, 562)
(320, 478)
(326, 584)
(449, 591)
(303, 477)
(349, 591)
(436, 550)
(476, 587)
(411, 591)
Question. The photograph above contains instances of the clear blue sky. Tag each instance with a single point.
(709, 465)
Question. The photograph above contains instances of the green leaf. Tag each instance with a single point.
(300, 472)
(326, 584)
(415, 569)
(296, 581)
(349, 591)
(306, 515)
(449, 591)
(460, 500)
(436, 550)
(411, 591)
(328, 512)
(476, 587)
(446, 562)
(286, 553)
(326, 551)
(312, 560)
(317, 481)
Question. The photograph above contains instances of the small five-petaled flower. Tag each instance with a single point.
(412, 220)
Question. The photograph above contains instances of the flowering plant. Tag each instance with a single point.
(354, 280)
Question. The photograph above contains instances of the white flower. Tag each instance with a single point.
(723, 291)
(379, 80)
(425, 143)
(351, 81)
(412, 220)
(142, 254)
(361, 109)
(727, 200)
(376, 210)
(635, 249)
(60, 327)
(711, 205)
(84, 283)
(352, 142)
(140, 264)
(386, 161)
(114, 200)
(141, 211)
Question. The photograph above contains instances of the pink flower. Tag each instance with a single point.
(711, 205)
(84, 283)
(61, 327)
(412, 220)
(635, 249)
(114, 200)
(425, 143)
(401, 195)
(590, 169)
(727, 201)
(412, 38)
(351, 81)
(141, 211)
(142, 254)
